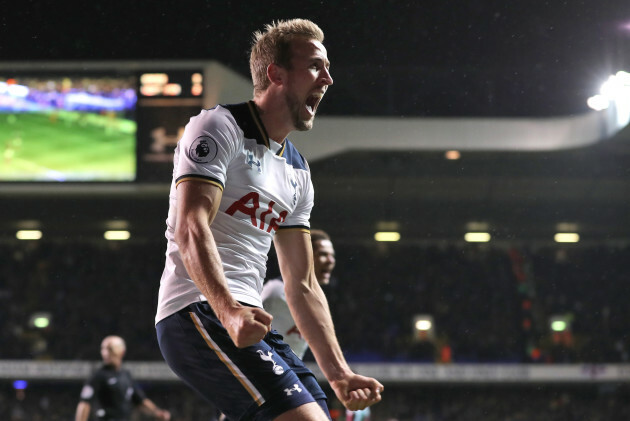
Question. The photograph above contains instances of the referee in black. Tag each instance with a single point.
(112, 389)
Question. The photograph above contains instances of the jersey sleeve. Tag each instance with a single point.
(90, 388)
(300, 217)
(210, 141)
(138, 395)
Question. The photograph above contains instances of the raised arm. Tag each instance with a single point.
(197, 205)
(310, 310)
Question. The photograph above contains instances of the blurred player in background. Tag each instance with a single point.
(275, 300)
(112, 390)
(239, 183)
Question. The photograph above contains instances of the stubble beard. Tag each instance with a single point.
(295, 107)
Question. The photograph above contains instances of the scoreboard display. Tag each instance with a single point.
(97, 122)
(166, 101)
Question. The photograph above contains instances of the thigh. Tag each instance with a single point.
(308, 412)
(249, 383)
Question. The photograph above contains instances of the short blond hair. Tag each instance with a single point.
(273, 46)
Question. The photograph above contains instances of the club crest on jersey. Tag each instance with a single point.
(294, 184)
(203, 149)
(277, 369)
(253, 162)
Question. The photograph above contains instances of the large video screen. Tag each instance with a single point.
(67, 127)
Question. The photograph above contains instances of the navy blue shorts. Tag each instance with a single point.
(259, 382)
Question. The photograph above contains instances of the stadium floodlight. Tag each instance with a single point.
(560, 323)
(612, 87)
(567, 237)
(615, 90)
(423, 326)
(477, 237)
(387, 236)
(559, 326)
(114, 235)
(40, 320)
(28, 235)
(598, 102)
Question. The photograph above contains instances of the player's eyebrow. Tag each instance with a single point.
(325, 62)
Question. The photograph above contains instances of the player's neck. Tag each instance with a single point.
(275, 116)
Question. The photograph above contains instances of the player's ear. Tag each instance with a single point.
(276, 74)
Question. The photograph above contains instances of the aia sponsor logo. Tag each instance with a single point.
(250, 204)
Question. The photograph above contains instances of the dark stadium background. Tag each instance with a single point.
(521, 59)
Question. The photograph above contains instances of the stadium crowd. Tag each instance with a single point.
(489, 304)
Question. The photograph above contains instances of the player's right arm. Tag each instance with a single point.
(83, 411)
(88, 392)
(197, 205)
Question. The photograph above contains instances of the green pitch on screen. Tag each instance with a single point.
(67, 146)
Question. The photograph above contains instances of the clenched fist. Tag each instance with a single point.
(247, 325)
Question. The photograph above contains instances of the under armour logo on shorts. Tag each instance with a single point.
(295, 388)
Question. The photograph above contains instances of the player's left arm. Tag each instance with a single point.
(82, 412)
(311, 313)
(148, 407)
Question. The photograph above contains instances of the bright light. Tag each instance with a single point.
(28, 235)
(566, 237)
(615, 90)
(196, 78)
(598, 102)
(41, 322)
(387, 236)
(20, 384)
(19, 91)
(477, 237)
(151, 90)
(612, 87)
(196, 89)
(623, 77)
(452, 155)
(558, 325)
(423, 325)
(172, 89)
(117, 235)
(154, 78)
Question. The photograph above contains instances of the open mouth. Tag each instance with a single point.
(313, 101)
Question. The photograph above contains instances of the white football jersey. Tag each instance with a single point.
(266, 187)
(275, 303)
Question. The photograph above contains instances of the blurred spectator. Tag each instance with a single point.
(475, 294)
